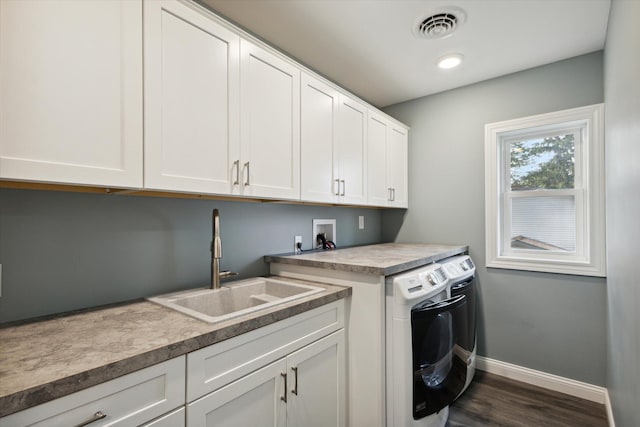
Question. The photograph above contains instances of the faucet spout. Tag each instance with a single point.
(216, 250)
(216, 253)
(216, 244)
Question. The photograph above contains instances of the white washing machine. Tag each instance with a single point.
(424, 372)
(461, 271)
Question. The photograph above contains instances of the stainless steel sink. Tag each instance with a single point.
(234, 299)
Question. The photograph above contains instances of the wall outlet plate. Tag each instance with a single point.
(296, 240)
(361, 222)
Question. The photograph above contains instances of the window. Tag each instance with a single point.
(545, 192)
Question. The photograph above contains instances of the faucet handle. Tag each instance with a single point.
(225, 274)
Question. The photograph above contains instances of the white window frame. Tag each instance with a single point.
(588, 192)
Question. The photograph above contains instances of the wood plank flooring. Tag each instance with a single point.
(496, 401)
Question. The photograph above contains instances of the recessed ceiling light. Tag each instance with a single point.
(451, 60)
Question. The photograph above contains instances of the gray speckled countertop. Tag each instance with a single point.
(381, 260)
(44, 360)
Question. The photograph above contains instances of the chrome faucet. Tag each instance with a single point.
(216, 253)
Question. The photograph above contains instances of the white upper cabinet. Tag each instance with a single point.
(192, 94)
(397, 165)
(319, 105)
(269, 124)
(387, 162)
(333, 145)
(352, 151)
(223, 113)
(71, 91)
(379, 193)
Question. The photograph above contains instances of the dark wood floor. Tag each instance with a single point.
(492, 400)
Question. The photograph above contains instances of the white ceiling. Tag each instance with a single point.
(369, 46)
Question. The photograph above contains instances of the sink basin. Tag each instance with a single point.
(234, 299)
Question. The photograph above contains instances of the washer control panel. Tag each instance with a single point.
(420, 283)
(458, 267)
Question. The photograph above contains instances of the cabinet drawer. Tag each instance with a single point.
(129, 400)
(215, 366)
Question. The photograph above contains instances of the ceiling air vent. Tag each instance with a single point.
(441, 24)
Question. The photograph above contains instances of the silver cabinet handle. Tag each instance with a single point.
(236, 164)
(294, 390)
(393, 192)
(343, 187)
(97, 416)
(247, 182)
(284, 396)
(337, 193)
(389, 199)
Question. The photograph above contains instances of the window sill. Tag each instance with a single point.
(572, 268)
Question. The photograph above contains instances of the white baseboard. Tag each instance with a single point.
(607, 404)
(542, 379)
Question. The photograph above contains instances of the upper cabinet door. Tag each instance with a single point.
(192, 78)
(320, 181)
(397, 172)
(352, 151)
(387, 162)
(71, 91)
(379, 193)
(270, 124)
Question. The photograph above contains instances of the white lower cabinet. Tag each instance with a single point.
(131, 400)
(316, 383)
(253, 400)
(305, 388)
(172, 419)
(289, 373)
(366, 369)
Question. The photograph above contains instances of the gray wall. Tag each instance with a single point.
(548, 322)
(622, 94)
(65, 251)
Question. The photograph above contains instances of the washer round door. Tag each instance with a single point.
(439, 365)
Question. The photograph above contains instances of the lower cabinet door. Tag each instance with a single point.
(316, 383)
(172, 419)
(256, 400)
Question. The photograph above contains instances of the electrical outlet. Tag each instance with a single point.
(361, 222)
(296, 240)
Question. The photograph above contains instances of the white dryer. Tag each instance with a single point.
(424, 373)
(461, 271)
